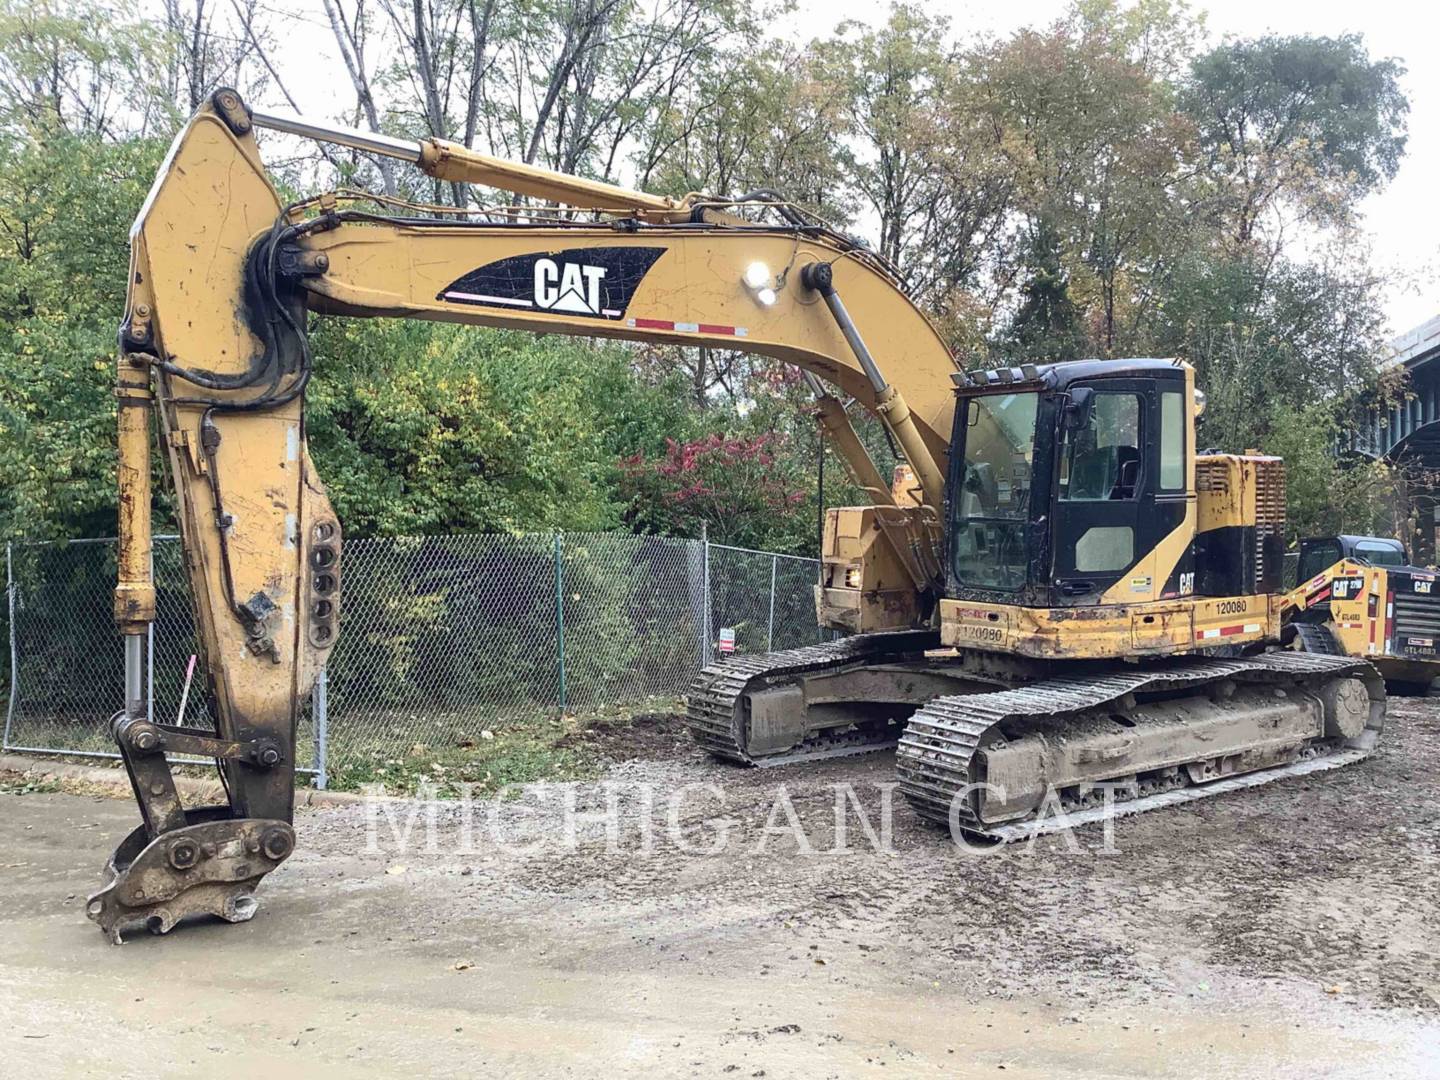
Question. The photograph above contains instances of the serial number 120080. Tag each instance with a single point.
(981, 633)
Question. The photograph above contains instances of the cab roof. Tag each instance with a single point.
(1060, 375)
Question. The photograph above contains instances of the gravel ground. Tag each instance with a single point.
(1285, 931)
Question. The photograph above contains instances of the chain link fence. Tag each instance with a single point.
(442, 637)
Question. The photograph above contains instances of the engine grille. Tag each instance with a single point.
(1269, 516)
(1417, 615)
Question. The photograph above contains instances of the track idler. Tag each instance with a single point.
(208, 867)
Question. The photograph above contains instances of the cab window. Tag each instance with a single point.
(1319, 557)
(1378, 554)
(1172, 441)
(1102, 459)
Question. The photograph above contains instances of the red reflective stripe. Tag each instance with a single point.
(1224, 631)
(687, 328)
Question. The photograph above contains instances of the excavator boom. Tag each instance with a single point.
(223, 279)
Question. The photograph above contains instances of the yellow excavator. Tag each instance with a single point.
(1066, 597)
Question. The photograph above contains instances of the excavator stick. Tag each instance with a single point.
(261, 542)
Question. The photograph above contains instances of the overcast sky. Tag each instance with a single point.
(1402, 220)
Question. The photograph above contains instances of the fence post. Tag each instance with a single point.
(150, 652)
(14, 654)
(705, 595)
(770, 633)
(560, 612)
(320, 701)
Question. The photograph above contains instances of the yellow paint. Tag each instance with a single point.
(1099, 631)
(890, 550)
(212, 200)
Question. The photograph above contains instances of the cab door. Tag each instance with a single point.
(1105, 487)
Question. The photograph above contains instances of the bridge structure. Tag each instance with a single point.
(1407, 431)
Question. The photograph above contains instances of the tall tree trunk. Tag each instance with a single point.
(352, 51)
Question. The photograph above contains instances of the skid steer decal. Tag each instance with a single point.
(593, 282)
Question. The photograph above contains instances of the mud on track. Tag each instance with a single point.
(1287, 931)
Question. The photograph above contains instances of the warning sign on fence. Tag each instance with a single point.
(727, 639)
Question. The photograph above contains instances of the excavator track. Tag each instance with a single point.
(715, 707)
(1316, 639)
(942, 758)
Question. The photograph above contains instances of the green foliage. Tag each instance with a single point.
(1103, 185)
(421, 429)
(1308, 119)
(744, 124)
(524, 754)
(1324, 496)
(66, 203)
(19, 784)
(1269, 335)
(1046, 327)
(74, 66)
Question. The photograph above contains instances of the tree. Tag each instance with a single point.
(1323, 494)
(352, 35)
(475, 430)
(1272, 334)
(746, 488)
(1101, 185)
(1046, 327)
(1085, 117)
(1309, 124)
(65, 207)
(77, 68)
(448, 49)
(202, 60)
(923, 158)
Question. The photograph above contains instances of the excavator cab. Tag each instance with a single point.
(1083, 525)
(1063, 476)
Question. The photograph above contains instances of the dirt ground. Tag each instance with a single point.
(1287, 931)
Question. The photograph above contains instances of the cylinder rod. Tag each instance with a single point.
(835, 423)
(451, 161)
(135, 696)
(368, 141)
(855, 341)
(890, 405)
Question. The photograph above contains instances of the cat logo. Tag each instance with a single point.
(1347, 588)
(568, 287)
(592, 283)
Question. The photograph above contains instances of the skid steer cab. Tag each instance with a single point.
(1361, 596)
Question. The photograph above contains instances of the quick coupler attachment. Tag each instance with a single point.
(210, 866)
